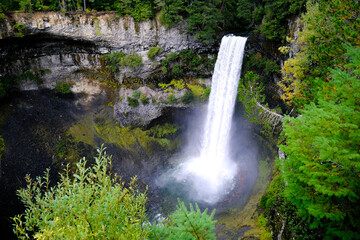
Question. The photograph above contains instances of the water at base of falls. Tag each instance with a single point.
(209, 176)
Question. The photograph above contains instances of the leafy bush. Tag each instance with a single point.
(63, 87)
(83, 202)
(153, 51)
(196, 89)
(186, 224)
(114, 61)
(80, 204)
(145, 100)
(19, 28)
(133, 102)
(136, 94)
(207, 92)
(132, 60)
(171, 99)
(188, 97)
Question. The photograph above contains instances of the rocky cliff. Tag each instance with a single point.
(68, 47)
(67, 43)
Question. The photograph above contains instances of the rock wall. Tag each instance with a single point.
(71, 44)
(68, 43)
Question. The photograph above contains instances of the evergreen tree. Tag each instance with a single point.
(322, 168)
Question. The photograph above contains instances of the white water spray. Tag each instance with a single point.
(211, 174)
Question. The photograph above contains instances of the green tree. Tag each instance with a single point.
(92, 204)
(204, 20)
(322, 166)
(186, 224)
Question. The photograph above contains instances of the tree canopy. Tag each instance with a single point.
(322, 167)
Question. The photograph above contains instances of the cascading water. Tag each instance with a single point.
(210, 175)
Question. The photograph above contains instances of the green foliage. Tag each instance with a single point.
(204, 20)
(186, 223)
(179, 84)
(197, 90)
(171, 11)
(90, 197)
(81, 204)
(63, 87)
(178, 64)
(275, 15)
(153, 51)
(136, 94)
(250, 93)
(327, 26)
(188, 97)
(144, 100)
(133, 102)
(172, 99)
(322, 163)
(114, 61)
(19, 28)
(166, 130)
(262, 65)
(140, 10)
(132, 60)
(207, 92)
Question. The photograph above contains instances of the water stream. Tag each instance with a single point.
(210, 175)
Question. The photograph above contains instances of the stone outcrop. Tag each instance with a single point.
(71, 42)
(70, 45)
(105, 29)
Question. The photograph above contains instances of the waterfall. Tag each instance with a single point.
(222, 99)
(210, 176)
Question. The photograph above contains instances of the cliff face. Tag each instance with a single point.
(106, 29)
(65, 44)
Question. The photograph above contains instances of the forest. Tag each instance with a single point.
(315, 187)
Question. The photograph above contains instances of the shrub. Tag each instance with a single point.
(172, 99)
(133, 102)
(82, 203)
(132, 60)
(136, 94)
(63, 87)
(144, 100)
(207, 92)
(188, 97)
(196, 89)
(153, 51)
